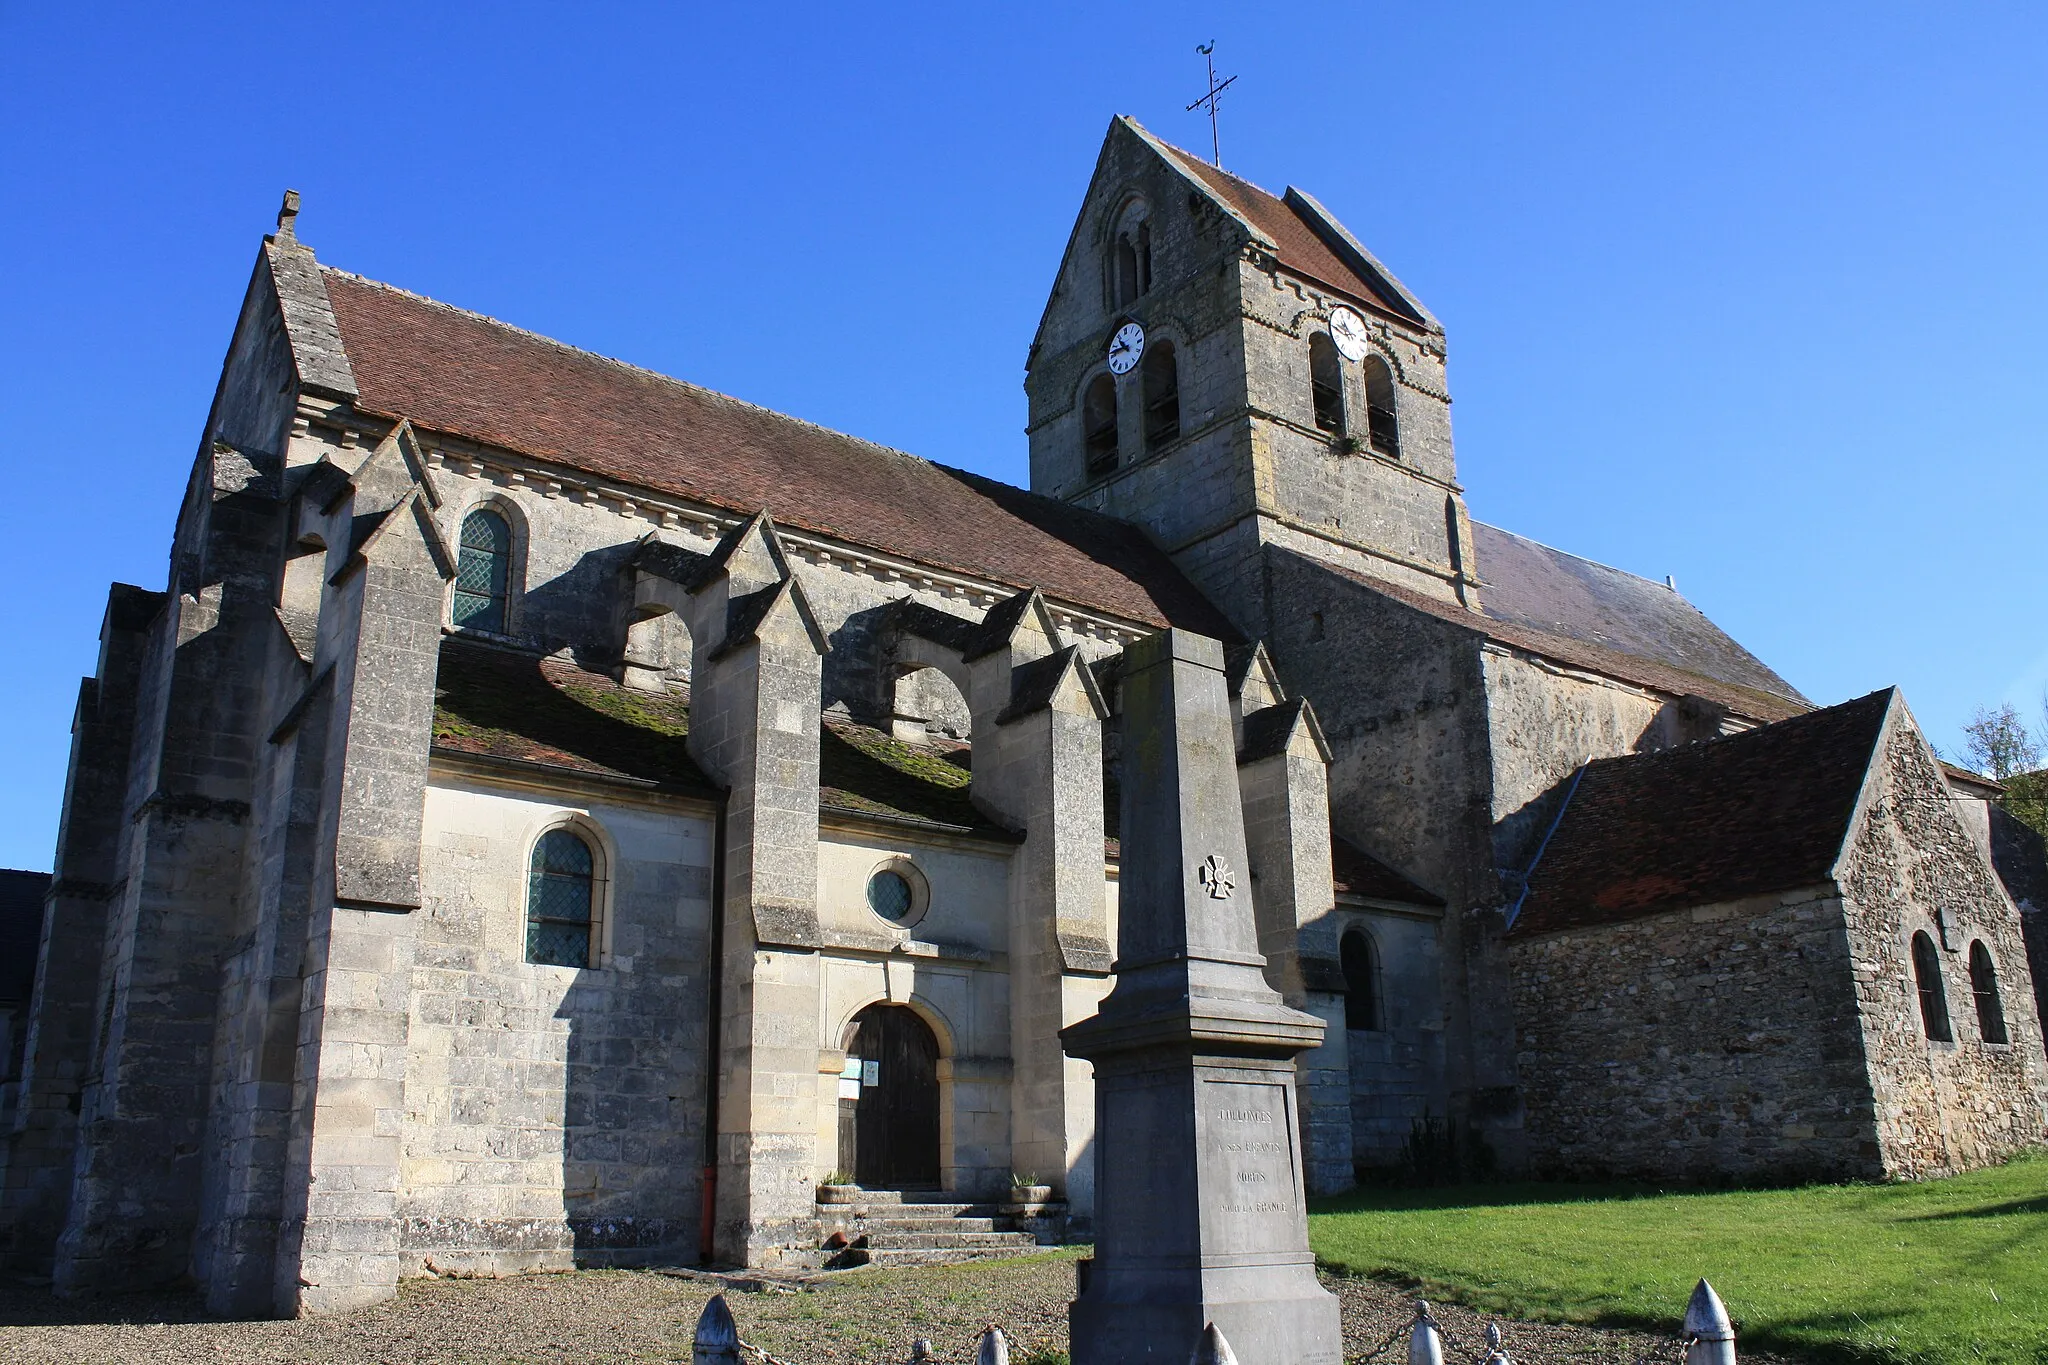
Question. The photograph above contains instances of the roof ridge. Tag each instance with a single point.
(717, 395)
(1212, 166)
(1769, 729)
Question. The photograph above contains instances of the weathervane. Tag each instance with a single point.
(1208, 50)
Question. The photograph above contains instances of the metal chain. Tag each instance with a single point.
(1477, 1358)
(1392, 1337)
(1682, 1344)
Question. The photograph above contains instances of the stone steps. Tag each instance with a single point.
(890, 1239)
(939, 1256)
(919, 1227)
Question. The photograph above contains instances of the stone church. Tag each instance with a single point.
(554, 814)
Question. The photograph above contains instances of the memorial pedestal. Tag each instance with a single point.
(1200, 1214)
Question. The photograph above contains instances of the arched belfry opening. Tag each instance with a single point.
(890, 1141)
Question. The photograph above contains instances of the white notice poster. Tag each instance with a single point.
(870, 1073)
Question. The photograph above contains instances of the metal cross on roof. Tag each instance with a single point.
(1208, 50)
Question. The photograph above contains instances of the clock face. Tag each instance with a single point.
(1347, 329)
(1125, 347)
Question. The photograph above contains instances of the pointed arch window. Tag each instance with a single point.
(1162, 395)
(1326, 383)
(1984, 986)
(1098, 424)
(1933, 999)
(1383, 428)
(1360, 961)
(483, 571)
(561, 897)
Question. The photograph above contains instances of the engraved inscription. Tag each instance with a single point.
(1248, 1133)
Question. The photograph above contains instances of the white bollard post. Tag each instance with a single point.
(1710, 1335)
(1425, 1347)
(718, 1337)
(1213, 1349)
(1495, 1354)
(994, 1348)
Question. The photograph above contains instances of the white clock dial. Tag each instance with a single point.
(1347, 329)
(1125, 347)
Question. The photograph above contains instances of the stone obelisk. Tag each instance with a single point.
(1199, 1215)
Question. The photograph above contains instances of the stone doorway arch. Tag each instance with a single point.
(894, 1136)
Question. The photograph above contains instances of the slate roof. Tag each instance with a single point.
(1743, 815)
(21, 934)
(1528, 584)
(466, 375)
(1297, 244)
(1604, 643)
(492, 702)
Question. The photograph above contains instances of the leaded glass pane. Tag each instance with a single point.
(558, 901)
(889, 895)
(481, 571)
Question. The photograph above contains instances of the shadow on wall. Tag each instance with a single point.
(633, 1077)
(590, 594)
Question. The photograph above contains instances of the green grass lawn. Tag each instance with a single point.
(1946, 1271)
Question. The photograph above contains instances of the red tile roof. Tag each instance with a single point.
(1358, 873)
(1720, 820)
(466, 375)
(1297, 245)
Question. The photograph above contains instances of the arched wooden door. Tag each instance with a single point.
(896, 1119)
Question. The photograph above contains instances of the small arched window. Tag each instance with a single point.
(483, 571)
(1162, 395)
(1933, 999)
(1098, 424)
(1126, 270)
(1361, 965)
(1326, 383)
(1984, 986)
(561, 895)
(1382, 426)
(1144, 258)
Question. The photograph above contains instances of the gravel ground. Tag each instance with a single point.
(860, 1317)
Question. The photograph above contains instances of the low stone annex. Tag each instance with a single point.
(554, 814)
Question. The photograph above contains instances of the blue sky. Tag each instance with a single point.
(1750, 294)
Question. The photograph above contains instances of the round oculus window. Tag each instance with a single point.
(890, 896)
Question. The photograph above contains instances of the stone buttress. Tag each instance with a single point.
(756, 681)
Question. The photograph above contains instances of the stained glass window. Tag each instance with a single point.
(558, 900)
(483, 570)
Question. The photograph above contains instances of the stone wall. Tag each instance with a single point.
(1397, 1069)
(555, 1116)
(1710, 1042)
(950, 965)
(1543, 722)
(1913, 867)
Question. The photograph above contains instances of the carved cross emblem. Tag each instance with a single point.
(1216, 877)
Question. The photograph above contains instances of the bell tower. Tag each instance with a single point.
(1232, 370)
